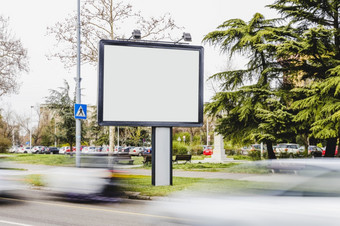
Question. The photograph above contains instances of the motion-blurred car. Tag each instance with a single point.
(93, 183)
(136, 151)
(11, 180)
(299, 192)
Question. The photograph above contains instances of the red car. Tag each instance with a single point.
(324, 151)
(208, 151)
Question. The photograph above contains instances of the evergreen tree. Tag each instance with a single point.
(244, 107)
(313, 57)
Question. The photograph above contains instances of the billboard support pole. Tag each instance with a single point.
(161, 156)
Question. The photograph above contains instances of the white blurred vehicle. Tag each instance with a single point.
(62, 150)
(11, 179)
(38, 149)
(89, 149)
(24, 150)
(302, 192)
(77, 182)
(289, 149)
(13, 149)
(136, 151)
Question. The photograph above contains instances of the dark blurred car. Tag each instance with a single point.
(147, 151)
(51, 150)
(124, 151)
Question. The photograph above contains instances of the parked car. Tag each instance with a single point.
(288, 149)
(136, 151)
(98, 149)
(25, 150)
(89, 149)
(245, 150)
(65, 150)
(147, 151)
(124, 151)
(38, 149)
(51, 150)
(13, 149)
(117, 149)
(324, 151)
(208, 150)
(313, 150)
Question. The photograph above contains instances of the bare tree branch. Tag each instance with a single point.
(104, 19)
(13, 59)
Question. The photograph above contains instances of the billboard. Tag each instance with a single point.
(150, 84)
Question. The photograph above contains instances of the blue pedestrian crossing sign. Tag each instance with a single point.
(80, 111)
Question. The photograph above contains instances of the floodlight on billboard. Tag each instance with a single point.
(150, 84)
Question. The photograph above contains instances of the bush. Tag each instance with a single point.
(254, 154)
(196, 149)
(233, 151)
(179, 148)
(4, 144)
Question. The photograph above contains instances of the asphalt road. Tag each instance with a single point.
(37, 208)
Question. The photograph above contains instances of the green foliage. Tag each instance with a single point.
(196, 149)
(302, 52)
(181, 135)
(254, 155)
(4, 144)
(179, 148)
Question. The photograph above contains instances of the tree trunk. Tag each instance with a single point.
(330, 148)
(271, 154)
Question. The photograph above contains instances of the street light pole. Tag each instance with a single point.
(31, 129)
(78, 95)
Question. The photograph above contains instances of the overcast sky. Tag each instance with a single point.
(29, 20)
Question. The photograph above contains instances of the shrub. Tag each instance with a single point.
(254, 154)
(179, 148)
(196, 149)
(4, 144)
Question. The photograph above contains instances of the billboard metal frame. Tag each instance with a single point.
(161, 45)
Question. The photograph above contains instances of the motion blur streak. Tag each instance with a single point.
(281, 193)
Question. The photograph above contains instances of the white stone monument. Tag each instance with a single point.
(218, 155)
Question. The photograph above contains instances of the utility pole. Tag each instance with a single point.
(78, 95)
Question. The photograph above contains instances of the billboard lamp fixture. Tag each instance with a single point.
(136, 34)
(186, 37)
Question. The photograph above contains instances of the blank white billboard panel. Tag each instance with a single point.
(150, 84)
